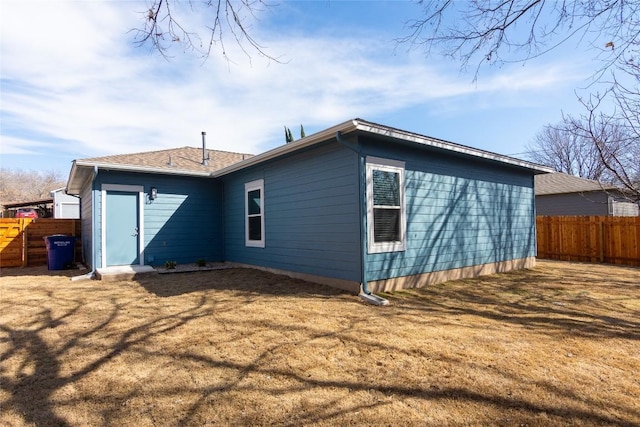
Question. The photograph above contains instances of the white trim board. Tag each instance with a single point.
(139, 189)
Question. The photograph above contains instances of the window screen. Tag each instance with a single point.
(385, 205)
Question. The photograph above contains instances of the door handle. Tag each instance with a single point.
(135, 233)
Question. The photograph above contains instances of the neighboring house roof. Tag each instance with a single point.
(188, 160)
(175, 161)
(27, 203)
(57, 190)
(560, 183)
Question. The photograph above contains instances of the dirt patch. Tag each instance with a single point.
(555, 345)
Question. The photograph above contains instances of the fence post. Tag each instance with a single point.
(601, 242)
(25, 238)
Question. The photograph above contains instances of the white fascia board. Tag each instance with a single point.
(307, 141)
(448, 146)
(372, 128)
(327, 134)
(77, 164)
(148, 169)
(72, 177)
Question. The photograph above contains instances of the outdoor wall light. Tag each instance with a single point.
(153, 193)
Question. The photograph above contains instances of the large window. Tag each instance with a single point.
(385, 205)
(254, 213)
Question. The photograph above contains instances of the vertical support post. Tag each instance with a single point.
(25, 238)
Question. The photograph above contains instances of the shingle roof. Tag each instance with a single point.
(175, 159)
(558, 183)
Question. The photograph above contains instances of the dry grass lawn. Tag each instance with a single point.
(556, 345)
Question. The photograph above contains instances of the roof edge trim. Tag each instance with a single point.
(133, 168)
(449, 146)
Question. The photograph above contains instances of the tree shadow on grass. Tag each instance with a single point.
(30, 393)
(40, 271)
(535, 300)
(38, 375)
(120, 331)
(245, 280)
(328, 411)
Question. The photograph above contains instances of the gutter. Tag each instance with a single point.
(383, 131)
(365, 292)
(127, 168)
(375, 129)
(345, 127)
(135, 168)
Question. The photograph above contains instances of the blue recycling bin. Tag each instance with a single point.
(60, 251)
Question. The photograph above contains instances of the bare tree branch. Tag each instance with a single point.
(566, 150)
(603, 142)
(518, 30)
(163, 27)
(615, 141)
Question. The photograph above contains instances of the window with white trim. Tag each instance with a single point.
(386, 218)
(254, 213)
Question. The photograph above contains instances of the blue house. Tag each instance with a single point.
(358, 205)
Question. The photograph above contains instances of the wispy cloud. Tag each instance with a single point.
(70, 77)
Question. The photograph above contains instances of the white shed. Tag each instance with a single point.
(64, 205)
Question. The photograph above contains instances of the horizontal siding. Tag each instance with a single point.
(573, 204)
(311, 214)
(184, 223)
(461, 212)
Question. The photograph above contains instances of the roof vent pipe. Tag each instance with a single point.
(205, 156)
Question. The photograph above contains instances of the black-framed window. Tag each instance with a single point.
(254, 213)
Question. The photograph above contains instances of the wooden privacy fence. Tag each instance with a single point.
(22, 239)
(609, 239)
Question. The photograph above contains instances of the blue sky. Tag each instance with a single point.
(74, 86)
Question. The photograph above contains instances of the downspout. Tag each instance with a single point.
(224, 223)
(93, 220)
(91, 274)
(365, 292)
